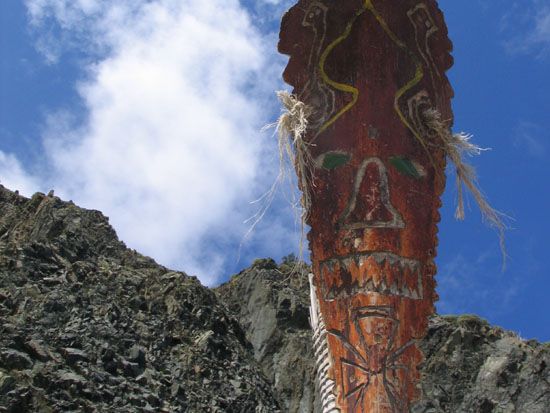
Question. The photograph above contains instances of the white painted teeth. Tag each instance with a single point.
(405, 272)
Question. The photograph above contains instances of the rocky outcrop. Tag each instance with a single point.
(88, 325)
(271, 303)
(470, 367)
(473, 367)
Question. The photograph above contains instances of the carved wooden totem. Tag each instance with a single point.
(369, 70)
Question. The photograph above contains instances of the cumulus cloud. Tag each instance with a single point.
(175, 93)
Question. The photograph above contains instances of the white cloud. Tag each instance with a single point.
(14, 177)
(169, 147)
(541, 32)
(528, 27)
(529, 138)
(465, 285)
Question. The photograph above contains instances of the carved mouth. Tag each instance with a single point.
(377, 272)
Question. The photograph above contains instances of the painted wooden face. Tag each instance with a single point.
(369, 82)
(370, 69)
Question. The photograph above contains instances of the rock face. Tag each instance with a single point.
(473, 367)
(272, 304)
(87, 325)
(470, 367)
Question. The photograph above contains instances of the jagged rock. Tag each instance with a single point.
(14, 360)
(272, 304)
(72, 355)
(6, 383)
(89, 325)
(37, 350)
(473, 367)
(137, 355)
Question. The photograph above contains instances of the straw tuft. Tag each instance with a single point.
(294, 152)
(455, 146)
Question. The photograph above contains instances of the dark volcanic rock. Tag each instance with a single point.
(88, 325)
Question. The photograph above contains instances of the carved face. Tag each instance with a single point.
(375, 181)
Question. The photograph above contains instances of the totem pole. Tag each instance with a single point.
(371, 77)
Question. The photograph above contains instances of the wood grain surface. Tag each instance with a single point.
(370, 69)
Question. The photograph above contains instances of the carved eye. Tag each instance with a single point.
(332, 160)
(408, 167)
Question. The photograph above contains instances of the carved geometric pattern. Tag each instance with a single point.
(385, 273)
(376, 362)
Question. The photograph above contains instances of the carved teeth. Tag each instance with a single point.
(379, 258)
(391, 275)
(394, 289)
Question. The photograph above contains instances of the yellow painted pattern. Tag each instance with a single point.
(419, 73)
(336, 85)
(418, 76)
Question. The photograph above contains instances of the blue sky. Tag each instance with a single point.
(151, 112)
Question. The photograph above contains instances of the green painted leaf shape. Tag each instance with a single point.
(333, 160)
(405, 166)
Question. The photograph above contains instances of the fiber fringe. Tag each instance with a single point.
(455, 146)
(294, 153)
(322, 357)
(293, 156)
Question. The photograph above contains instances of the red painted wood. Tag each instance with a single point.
(369, 69)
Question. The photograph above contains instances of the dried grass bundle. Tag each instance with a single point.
(456, 146)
